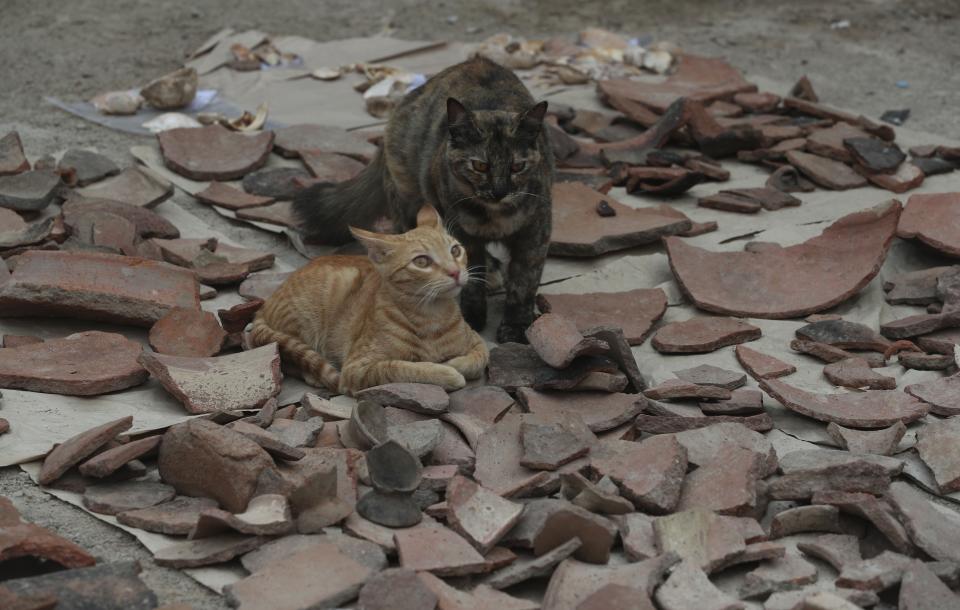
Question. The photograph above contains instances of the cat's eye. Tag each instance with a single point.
(422, 261)
(456, 251)
(518, 166)
(479, 166)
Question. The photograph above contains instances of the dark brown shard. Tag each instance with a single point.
(108, 586)
(871, 409)
(828, 353)
(113, 498)
(931, 528)
(757, 102)
(844, 334)
(96, 287)
(88, 165)
(656, 424)
(20, 538)
(702, 335)
(761, 366)
(676, 389)
(730, 203)
(710, 375)
(860, 476)
(803, 90)
(111, 460)
(30, 191)
(936, 444)
(635, 311)
(878, 442)
(906, 178)
(175, 518)
(815, 109)
(875, 155)
(939, 342)
(76, 449)
(753, 283)
(597, 534)
(4, 426)
(599, 410)
(920, 324)
(788, 180)
(604, 209)
(331, 167)
(83, 364)
(715, 140)
(12, 159)
(579, 231)
(727, 485)
(136, 186)
(839, 550)
(437, 549)
(214, 152)
(620, 353)
(800, 519)
(825, 172)
(934, 166)
(202, 459)
(225, 196)
(742, 401)
(665, 182)
(856, 373)
(829, 142)
(236, 318)
(292, 140)
(649, 474)
(514, 365)
(206, 385)
(558, 342)
(187, 332)
(931, 219)
(547, 446)
(276, 182)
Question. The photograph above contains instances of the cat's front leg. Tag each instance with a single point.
(361, 374)
(528, 255)
(472, 363)
(473, 297)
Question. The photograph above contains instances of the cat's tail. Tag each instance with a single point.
(325, 211)
(314, 367)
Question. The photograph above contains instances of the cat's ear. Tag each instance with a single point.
(460, 122)
(378, 246)
(530, 123)
(428, 216)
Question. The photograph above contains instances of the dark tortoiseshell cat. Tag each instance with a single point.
(471, 143)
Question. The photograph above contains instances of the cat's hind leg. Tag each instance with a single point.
(314, 368)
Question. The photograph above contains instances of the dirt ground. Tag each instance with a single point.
(76, 49)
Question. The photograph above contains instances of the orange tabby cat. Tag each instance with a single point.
(352, 322)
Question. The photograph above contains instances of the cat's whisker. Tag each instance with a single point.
(531, 194)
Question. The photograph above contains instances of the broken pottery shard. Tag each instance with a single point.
(830, 142)
(136, 186)
(785, 573)
(827, 173)
(84, 364)
(676, 389)
(478, 514)
(533, 567)
(279, 213)
(213, 152)
(225, 196)
(920, 324)
(113, 498)
(879, 442)
(498, 467)
(75, 449)
(813, 459)
(481, 596)
(276, 182)
(362, 551)
(91, 286)
(703, 444)
(931, 218)
(579, 231)
(635, 311)
(877, 573)
(174, 518)
(800, 519)
(602, 498)
(147, 222)
(396, 589)
(172, 91)
(920, 589)
(330, 167)
(875, 155)
(701, 335)
(788, 180)
(872, 509)
(871, 409)
(828, 353)
(752, 283)
(395, 474)
(620, 353)
(839, 550)
(860, 476)
(844, 334)
(297, 433)
(727, 485)
(439, 550)
(206, 551)
(937, 444)
(200, 458)
(761, 366)
(649, 473)
(206, 385)
(88, 165)
(111, 460)
(30, 191)
(597, 534)
(669, 424)
(266, 515)
(558, 342)
(906, 178)
(416, 397)
(707, 374)
(757, 102)
(856, 373)
(108, 586)
(269, 441)
(931, 528)
(547, 446)
(187, 332)
(574, 581)
(322, 138)
(12, 159)
(599, 410)
(20, 538)
(943, 395)
(636, 533)
(925, 362)
(515, 365)
(914, 287)
(744, 401)
(688, 587)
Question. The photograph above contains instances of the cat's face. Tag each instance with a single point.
(494, 153)
(425, 263)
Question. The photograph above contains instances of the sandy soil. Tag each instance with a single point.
(79, 48)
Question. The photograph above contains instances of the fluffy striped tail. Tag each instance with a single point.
(313, 367)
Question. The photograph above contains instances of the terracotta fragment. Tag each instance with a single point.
(843, 334)
(75, 449)
(906, 178)
(225, 196)
(174, 518)
(921, 324)
(873, 510)
(187, 332)
(20, 538)
(800, 519)
(727, 485)
(688, 587)
(617, 596)
(676, 389)
(362, 551)
(579, 231)
(788, 180)
(761, 366)
(276, 182)
(88, 165)
(856, 373)
(573, 581)
(279, 213)
(136, 186)
(481, 596)
(784, 573)
(757, 102)
(941, 394)
(28, 601)
(147, 222)
(744, 401)
(330, 167)
(879, 442)
(109, 586)
(827, 173)
(925, 362)
(265, 515)
(830, 142)
(859, 476)
(396, 589)
(703, 444)
(416, 397)
(701, 335)
(547, 446)
(620, 353)
(479, 515)
(558, 342)
(931, 529)
(649, 474)
(729, 203)
(829, 354)
(113, 498)
(213, 152)
(601, 498)
(710, 375)
(885, 407)
(920, 589)
(597, 534)
(930, 218)
(437, 549)
(839, 550)
(936, 444)
(12, 159)
(658, 424)
(111, 460)
(226, 383)
(30, 191)
(875, 155)
(290, 141)
(600, 411)
(514, 365)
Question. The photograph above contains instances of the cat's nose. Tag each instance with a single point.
(454, 273)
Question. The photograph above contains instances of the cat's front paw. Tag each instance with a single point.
(467, 366)
(446, 377)
(511, 333)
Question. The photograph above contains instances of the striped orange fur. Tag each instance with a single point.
(352, 322)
